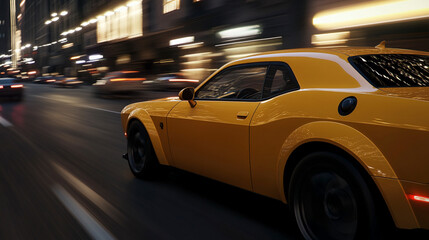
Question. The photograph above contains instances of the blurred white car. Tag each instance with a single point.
(119, 82)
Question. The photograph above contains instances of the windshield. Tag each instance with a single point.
(394, 70)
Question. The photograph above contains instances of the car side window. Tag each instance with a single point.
(237, 83)
(282, 80)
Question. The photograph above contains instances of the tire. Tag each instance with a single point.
(330, 199)
(141, 155)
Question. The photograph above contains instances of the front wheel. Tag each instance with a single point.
(141, 155)
(331, 200)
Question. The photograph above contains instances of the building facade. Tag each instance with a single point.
(195, 37)
(4, 32)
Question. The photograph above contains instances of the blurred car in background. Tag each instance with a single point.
(170, 81)
(28, 76)
(68, 82)
(119, 82)
(45, 79)
(11, 88)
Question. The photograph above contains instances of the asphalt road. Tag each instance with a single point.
(62, 177)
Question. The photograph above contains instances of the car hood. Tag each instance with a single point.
(417, 93)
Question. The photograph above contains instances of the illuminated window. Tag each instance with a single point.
(123, 22)
(171, 5)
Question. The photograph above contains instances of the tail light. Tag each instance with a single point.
(419, 198)
(17, 86)
(1, 86)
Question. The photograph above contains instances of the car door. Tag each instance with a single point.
(271, 124)
(212, 138)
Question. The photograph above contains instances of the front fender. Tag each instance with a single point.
(148, 122)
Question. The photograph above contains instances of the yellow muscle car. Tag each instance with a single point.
(340, 134)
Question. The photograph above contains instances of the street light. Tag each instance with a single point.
(48, 22)
(63, 13)
(54, 14)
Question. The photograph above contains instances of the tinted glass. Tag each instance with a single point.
(394, 70)
(237, 83)
(281, 81)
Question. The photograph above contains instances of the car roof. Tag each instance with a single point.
(334, 60)
(342, 52)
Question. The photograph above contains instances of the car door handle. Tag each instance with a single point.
(242, 115)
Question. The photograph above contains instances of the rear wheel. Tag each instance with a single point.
(141, 155)
(331, 200)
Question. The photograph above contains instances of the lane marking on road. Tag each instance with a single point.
(99, 201)
(101, 109)
(78, 105)
(86, 220)
(5, 122)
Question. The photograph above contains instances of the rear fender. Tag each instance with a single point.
(366, 154)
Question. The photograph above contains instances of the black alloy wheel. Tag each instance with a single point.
(330, 199)
(141, 155)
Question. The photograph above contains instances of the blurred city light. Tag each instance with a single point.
(63, 13)
(330, 38)
(183, 40)
(54, 14)
(192, 45)
(371, 13)
(95, 57)
(109, 13)
(67, 45)
(241, 32)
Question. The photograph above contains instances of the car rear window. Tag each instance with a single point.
(394, 70)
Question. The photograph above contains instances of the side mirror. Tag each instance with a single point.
(188, 94)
